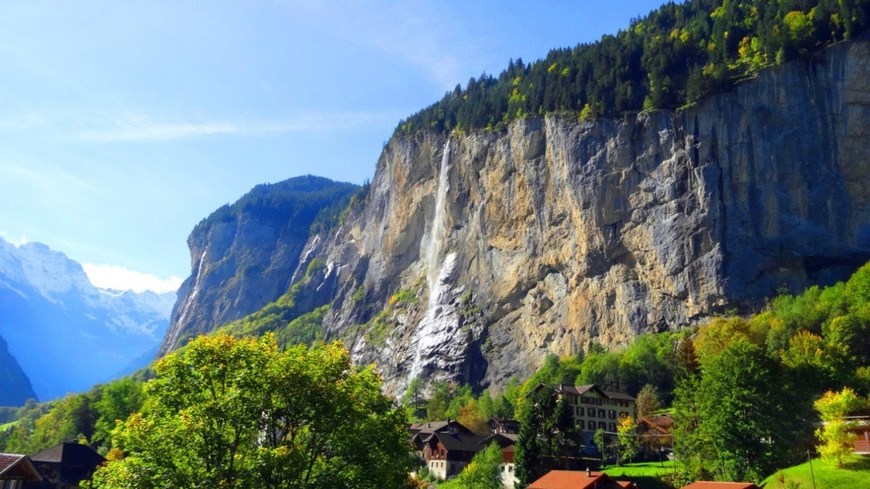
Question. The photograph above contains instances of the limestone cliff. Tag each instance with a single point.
(474, 255)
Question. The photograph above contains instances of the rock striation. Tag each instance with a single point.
(555, 233)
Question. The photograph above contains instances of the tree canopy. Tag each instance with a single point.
(674, 56)
(240, 413)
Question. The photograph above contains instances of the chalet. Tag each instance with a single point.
(507, 442)
(861, 427)
(16, 470)
(576, 479)
(447, 453)
(422, 431)
(499, 425)
(64, 466)
(656, 433)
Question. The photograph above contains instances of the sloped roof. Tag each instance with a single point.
(69, 453)
(503, 439)
(460, 442)
(582, 389)
(575, 479)
(14, 466)
(720, 485)
(438, 426)
(72, 461)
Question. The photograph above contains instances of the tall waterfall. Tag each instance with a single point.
(436, 235)
(435, 327)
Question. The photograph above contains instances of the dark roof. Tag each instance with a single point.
(503, 439)
(70, 461)
(508, 425)
(460, 442)
(69, 453)
(14, 466)
(438, 427)
(582, 389)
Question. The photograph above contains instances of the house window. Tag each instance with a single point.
(623, 414)
(581, 425)
(612, 413)
(613, 427)
(591, 413)
(602, 414)
(579, 411)
(602, 425)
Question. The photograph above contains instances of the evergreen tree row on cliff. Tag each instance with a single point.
(672, 57)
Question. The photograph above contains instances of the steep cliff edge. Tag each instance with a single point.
(243, 255)
(477, 254)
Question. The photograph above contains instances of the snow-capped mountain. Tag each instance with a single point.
(66, 334)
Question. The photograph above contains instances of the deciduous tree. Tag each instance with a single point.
(230, 413)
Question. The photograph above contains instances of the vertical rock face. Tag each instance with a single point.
(558, 233)
(243, 256)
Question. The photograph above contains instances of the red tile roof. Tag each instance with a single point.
(720, 485)
(573, 479)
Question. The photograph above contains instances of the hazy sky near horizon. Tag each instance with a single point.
(123, 124)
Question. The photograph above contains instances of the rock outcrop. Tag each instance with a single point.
(475, 255)
(243, 255)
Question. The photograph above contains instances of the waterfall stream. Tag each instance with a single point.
(432, 329)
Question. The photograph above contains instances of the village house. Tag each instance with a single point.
(593, 409)
(447, 446)
(656, 434)
(16, 470)
(507, 442)
(64, 466)
(861, 428)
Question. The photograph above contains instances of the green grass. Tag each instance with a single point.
(855, 474)
(642, 469)
(647, 475)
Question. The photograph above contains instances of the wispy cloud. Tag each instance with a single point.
(126, 128)
(120, 278)
(147, 129)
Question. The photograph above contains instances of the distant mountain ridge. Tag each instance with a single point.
(66, 334)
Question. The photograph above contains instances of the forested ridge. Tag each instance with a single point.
(671, 58)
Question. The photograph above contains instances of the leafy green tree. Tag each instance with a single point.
(626, 432)
(118, 400)
(483, 472)
(835, 435)
(546, 435)
(232, 413)
(741, 418)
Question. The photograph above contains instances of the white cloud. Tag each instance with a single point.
(120, 278)
(138, 128)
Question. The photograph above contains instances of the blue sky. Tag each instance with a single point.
(123, 124)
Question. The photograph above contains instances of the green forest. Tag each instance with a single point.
(671, 58)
